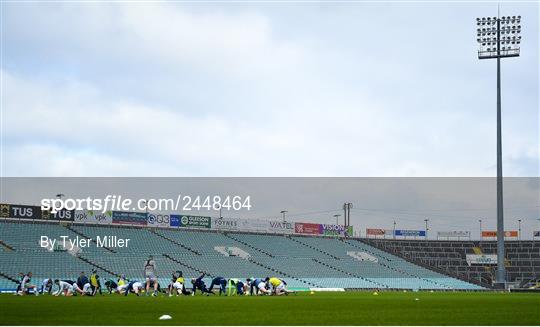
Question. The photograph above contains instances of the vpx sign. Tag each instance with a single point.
(93, 217)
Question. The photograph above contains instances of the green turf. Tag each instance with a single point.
(352, 308)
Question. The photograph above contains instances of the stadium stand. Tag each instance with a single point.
(522, 258)
(303, 261)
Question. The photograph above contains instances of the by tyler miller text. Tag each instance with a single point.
(70, 243)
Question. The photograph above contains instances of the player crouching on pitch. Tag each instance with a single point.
(46, 286)
(150, 275)
(64, 288)
(221, 282)
(178, 284)
(134, 287)
(198, 284)
(82, 286)
(257, 286)
(236, 287)
(278, 286)
(26, 286)
(111, 286)
(122, 284)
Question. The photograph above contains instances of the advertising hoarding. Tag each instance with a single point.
(63, 215)
(190, 221)
(19, 211)
(481, 259)
(280, 227)
(129, 218)
(307, 228)
(510, 233)
(409, 232)
(93, 217)
(454, 234)
(379, 232)
(158, 220)
(335, 230)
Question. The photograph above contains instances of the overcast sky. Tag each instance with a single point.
(263, 89)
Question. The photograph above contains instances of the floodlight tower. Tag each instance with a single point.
(499, 37)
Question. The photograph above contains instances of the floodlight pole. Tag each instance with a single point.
(492, 53)
(501, 270)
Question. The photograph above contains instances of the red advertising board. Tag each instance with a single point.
(307, 228)
(375, 231)
(510, 233)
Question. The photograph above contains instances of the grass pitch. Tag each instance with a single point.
(351, 308)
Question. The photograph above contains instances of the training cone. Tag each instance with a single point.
(375, 293)
(312, 293)
(165, 317)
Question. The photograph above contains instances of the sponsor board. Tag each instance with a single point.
(335, 230)
(63, 215)
(408, 232)
(189, 221)
(23, 212)
(228, 224)
(378, 231)
(174, 220)
(258, 225)
(93, 217)
(129, 218)
(279, 227)
(307, 228)
(481, 259)
(158, 220)
(242, 225)
(454, 234)
(510, 233)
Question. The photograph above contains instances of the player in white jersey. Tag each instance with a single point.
(26, 284)
(150, 275)
(135, 287)
(63, 288)
(85, 289)
(46, 286)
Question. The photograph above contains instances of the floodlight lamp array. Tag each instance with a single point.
(498, 37)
